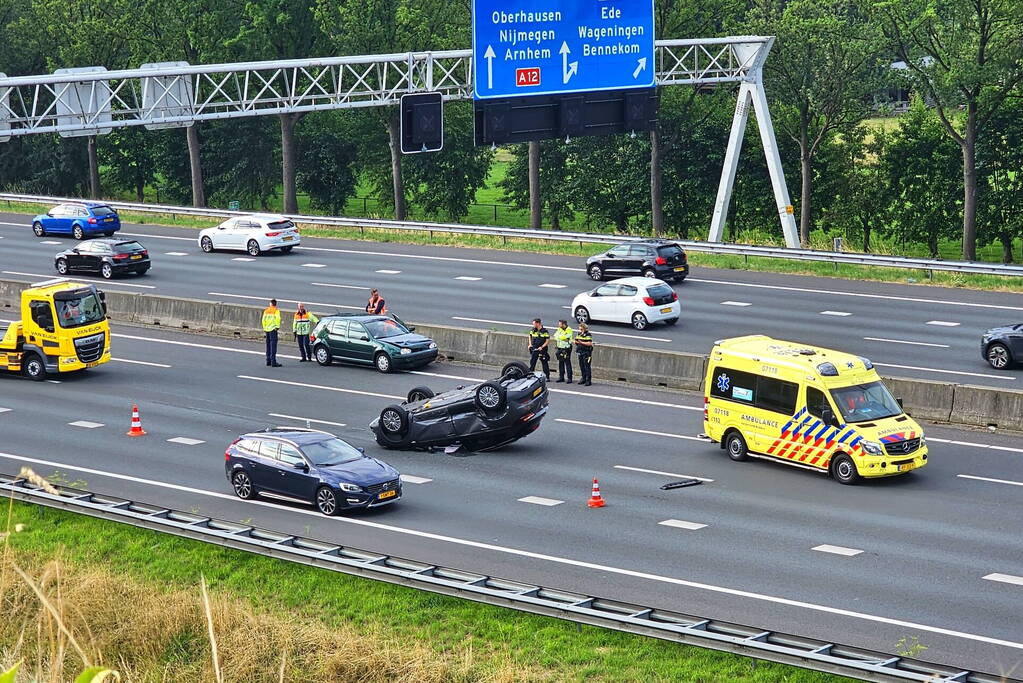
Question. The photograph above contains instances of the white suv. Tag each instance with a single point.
(254, 233)
(636, 300)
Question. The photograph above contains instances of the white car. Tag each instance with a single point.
(639, 301)
(255, 234)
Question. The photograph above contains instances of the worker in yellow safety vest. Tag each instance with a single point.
(271, 323)
(563, 350)
(302, 326)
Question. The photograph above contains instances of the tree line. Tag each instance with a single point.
(948, 169)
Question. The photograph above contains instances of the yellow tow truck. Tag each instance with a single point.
(63, 328)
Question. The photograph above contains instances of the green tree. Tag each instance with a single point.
(609, 177)
(127, 154)
(1000, 167)
(966, 57)
(555, 195)
(857, 183)
(327, 152)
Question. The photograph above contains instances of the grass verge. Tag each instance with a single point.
(723, 262)
(132, 600)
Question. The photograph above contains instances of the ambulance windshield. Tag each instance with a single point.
(862, 402)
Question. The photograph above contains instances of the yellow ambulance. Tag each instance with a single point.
(809, 407)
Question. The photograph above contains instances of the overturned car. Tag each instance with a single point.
(480, 417)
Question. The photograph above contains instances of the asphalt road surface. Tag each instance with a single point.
(908, 331)
(936, 554)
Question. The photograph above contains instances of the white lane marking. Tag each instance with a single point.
(410, 479)
(49, 242)
(682, 524)
(993, 481)
(141, 362)
(837, 550)
(628, 429)
(53, 381)
(526, 325)
(328, 284)
(942, 323)
(17, 225)
(287, 301)
(550, 286)
(243, 259)
(185, 441)
(976, 445)
(537, 500)
(319, 386)
(969, 443)
(840, 314)
(554, 559)
(175, 253)
(468, 278)
(944, 372)
(4, 410)
(78, 277)
(307, 419)
(903, 341)
(666, 474)
(314, 265)
(389, 272)
(158, 237)
(1005, 578)
(887, 297)
(1006, 448)
(85, 424)
(735, 303)
(423, 257)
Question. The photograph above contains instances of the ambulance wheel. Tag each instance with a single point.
(35, 368)
(844, 471)
(736, 447)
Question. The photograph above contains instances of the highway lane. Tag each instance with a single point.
(927, 540)
(909, 331)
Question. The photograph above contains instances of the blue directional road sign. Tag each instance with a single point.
(549, 47)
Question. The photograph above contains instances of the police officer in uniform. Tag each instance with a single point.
(563, 350)
(302, 326)
(271, 323)
(584, 347)
(539, 339)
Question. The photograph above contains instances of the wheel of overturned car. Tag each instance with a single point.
(490, 397)
(514, 370)
(419, 394)
(394, 421)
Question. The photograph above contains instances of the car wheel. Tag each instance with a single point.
(206, 244)
(394, 421)
(286, 250)
(322, 355)
(243, 487)
(253, 248)
(671, 321)
(62, 266)
(78, 233)
(490, 397)
(514, 370)
(736, 447)
(34, 367)
(998, 356)
(109, 233)
(326, 501)
(107, 271)
(419, 394)
(844, 471)
(639, 321)
(649, 272)
(596, 272)
(582, 315)
(38, 229)
(383, 362)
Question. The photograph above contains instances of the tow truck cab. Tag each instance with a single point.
(63, 328)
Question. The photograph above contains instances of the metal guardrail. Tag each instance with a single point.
(746, 250)
(738, 639)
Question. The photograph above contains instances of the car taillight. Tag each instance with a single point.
(706, 412)
(145, 252)
(660, 260)
(648, 301)
(227, 453)
(674, 296)
(92, 221)
(121, 257)
(272, 234)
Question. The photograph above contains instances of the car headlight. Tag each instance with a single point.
(406, 351)
(351, 488)
(433, 345)
(872, 447)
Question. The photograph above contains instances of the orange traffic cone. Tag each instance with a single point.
(136, 423)
(596, 500)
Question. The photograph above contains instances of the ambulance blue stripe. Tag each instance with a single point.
(846, 436)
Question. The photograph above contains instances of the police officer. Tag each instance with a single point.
(539, 339)
(584, 347)
(302, 326)
(271, 323)
(563, 350)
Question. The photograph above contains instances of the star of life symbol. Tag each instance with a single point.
(723, 382)
(850, 365)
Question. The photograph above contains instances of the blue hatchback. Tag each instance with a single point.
(309, 466)
(80, 219)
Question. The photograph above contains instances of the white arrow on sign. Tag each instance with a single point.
(489, 56)
(640, 67)
(567, 70)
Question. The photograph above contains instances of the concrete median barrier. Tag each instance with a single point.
(190, 314)
(923, 398)
(456, 343)
(244, 321)
(985, 406)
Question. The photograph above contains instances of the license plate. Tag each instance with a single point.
(387, 494)
(536, 392)
(907, 466)
(666, 310)
(92, 365)
(679, 269)
(288, 238)
(108, 220)
(135, 257)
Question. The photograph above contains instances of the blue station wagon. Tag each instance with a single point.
(79, 219)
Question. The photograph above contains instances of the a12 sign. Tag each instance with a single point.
(527, 77)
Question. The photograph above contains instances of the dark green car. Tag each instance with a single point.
(379, 340)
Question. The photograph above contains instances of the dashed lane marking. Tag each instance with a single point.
(989, 479)
(141, 362)
(80, 277)
(17, 225)
(537, 500)
(548, 285)
(468, 278)
(314, 265)
(175, 253)
(665, 474)
(319, 386)
(553, 559)
(243, 259)
(287, 301)
(49, 242)
(525, 325)
(903, 341)
(85, 424)
(330, 284)
(388, 272)
(411, 479)
(307, 419)
(682, 524)
(736, 303)
(837, 550)
(4, 410)
(185, 441)
(840, 314)
(1005, 578)
(940, 371)
(628, 429)
(942, 323)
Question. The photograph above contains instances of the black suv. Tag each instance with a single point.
(650, 258)
(1003, 346)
